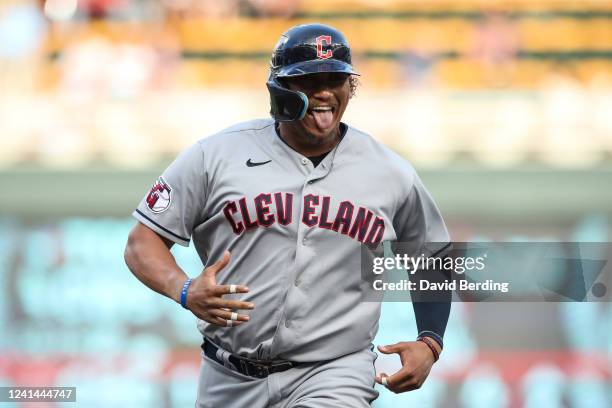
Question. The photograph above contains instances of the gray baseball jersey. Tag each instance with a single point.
(294, 232)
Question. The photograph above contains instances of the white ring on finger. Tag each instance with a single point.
(384, 381)
(232, 288)
(234, 316)
(229, 323)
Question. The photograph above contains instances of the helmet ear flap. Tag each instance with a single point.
(286, 105)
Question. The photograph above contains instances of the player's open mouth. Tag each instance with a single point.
(323, 115)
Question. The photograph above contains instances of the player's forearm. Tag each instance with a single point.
(151, 261)
(432, 308)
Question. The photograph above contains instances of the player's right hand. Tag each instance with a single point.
(205, 298)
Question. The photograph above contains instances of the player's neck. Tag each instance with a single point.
(306, 144)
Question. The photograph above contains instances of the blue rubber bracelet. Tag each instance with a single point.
(184, 293)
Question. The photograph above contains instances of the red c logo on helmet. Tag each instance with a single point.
(320, 40)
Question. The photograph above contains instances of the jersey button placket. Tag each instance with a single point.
(302, 240)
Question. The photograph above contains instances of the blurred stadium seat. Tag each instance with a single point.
(102, 88)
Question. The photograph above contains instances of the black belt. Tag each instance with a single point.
(251, 368)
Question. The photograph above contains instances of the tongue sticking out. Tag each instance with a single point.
(323, 119)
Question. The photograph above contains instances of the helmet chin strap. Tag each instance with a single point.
(286, 105)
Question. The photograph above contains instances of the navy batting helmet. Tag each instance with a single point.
(302, 50)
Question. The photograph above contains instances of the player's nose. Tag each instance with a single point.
(323, 94)
(321, 88)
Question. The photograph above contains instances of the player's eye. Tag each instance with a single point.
(336, 80)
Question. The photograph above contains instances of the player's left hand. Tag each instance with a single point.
(417, 360)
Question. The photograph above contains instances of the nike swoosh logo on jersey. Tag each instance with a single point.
(249, 163)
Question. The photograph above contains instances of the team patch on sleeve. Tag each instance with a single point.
(159, 197)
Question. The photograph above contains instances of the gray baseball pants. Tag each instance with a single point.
(344, 382)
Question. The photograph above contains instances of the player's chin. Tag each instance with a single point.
(323, 135)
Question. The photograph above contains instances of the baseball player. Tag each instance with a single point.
(279, 210)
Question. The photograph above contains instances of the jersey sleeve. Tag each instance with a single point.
(175, 204)
(419, 224)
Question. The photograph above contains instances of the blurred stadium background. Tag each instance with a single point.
(505, 108)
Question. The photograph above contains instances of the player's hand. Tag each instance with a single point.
(417, 360)
(205, 298)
